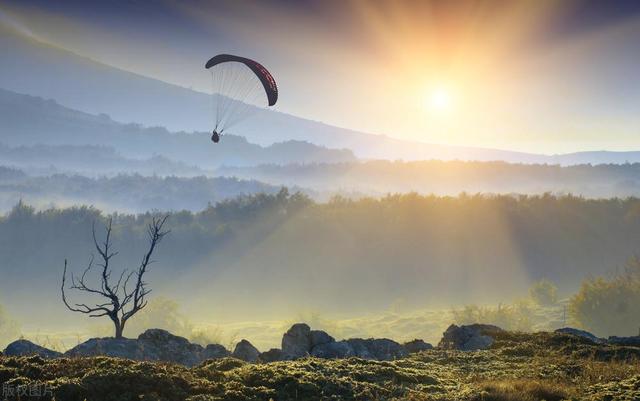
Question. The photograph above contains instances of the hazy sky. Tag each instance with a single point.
(545, 76)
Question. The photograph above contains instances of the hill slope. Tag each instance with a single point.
(35, 68)
(28, 120)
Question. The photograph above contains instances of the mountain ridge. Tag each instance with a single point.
(78, 82)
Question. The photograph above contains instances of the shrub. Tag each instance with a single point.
(544, 292)
(609, 306)
(509, 317)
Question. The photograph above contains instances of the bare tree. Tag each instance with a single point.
(121, 302)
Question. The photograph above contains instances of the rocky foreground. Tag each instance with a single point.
(477, 362)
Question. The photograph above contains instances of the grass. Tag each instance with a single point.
(522, 390)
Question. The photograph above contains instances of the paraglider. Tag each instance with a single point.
(239, 86)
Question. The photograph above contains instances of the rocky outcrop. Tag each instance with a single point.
(625, 341)
(469, 338)
(300, 340)
(296, 342)
(338, 349)
(381, 349)
(109, 346)
(416, 345)
(215, 351)
(246, 351)
(273, 355)
(580, 333)
(27, 348)
(152, 345)
(160, 345)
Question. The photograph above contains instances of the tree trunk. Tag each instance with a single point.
(119, 330)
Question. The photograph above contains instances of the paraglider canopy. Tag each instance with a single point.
(239, 87)
(265, 77)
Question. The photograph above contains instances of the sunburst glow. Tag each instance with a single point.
(439, 100)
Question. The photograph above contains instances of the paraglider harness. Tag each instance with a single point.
(215, 137)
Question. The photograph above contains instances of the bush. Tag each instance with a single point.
(609, 306)
(544, 292)
(509, 317)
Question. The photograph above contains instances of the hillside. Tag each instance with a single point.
(30, 121)
(39, 69)
(89, 161)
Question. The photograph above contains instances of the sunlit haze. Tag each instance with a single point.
(552, 76)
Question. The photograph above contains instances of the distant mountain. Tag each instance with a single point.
(32, 67)
(31, 121)
(35, 68)
(88, 160)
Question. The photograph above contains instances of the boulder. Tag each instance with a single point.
(215, 351)
(625, 341)
(416, 345)
(296, 342)
(299, 340)
(381, 349)
(273, 355)
(338, 349)
(246, 351)
(152, 345)
(160, 345)
(109, 346)
(580, 333)
(319, 337)
(469, 337)
(27, 348)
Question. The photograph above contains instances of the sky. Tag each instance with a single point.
(536, 76)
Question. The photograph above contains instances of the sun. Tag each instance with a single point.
(439, 100)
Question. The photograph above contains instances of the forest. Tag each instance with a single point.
(379, 177)
(440, 252)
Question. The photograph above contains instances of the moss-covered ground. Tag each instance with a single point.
(523, 367)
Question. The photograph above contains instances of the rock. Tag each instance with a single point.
(469, 337)
(416, 345)
(157, 344)
(152, 345)
(299, 340)
(121, 348)
(27, 348)
(246, 351)
(477, 343)
(319, 337)
(273, 355)
(296, 342)
(338, 349)
(381, 349)
(625, 341)
(580, 333)
(215, 351)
